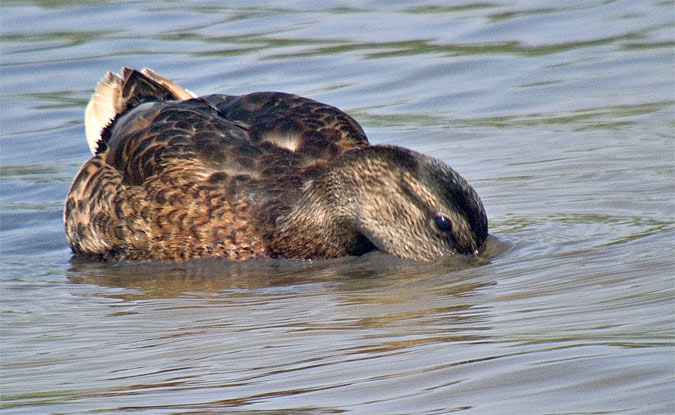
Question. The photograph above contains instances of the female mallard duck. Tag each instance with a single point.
(268, 174)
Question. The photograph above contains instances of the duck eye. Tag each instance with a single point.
(443, 223)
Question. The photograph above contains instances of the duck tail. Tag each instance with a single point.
(117, 93)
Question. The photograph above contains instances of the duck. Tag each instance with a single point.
(175, 176)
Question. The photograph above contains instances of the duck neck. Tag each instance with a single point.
(320, 225)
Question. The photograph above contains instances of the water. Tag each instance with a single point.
(559, 113)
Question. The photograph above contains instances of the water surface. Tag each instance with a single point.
(560, 115)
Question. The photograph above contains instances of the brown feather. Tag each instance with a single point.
(238, 177)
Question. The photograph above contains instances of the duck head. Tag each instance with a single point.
(396, 200)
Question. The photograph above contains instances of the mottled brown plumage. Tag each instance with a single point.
(267, 174)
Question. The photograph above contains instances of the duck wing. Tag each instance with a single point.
(265, 143)
(295, 123)
(296, 137)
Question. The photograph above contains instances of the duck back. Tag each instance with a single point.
(176, 176)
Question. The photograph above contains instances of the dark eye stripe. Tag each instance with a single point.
(443, 223)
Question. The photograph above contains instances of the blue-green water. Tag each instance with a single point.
(561, 115)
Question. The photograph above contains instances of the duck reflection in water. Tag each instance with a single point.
(375, 272)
